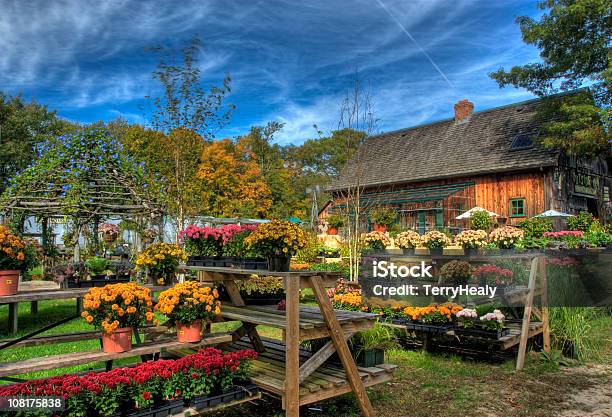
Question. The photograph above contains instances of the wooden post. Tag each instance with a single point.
(544, 306)
(520, 361)
(337, 336)
(13, 318)
(34, 308)
(79, 305)
(292, 358)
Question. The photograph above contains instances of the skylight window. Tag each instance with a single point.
(523, 141)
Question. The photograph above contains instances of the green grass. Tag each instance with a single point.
(424, 385)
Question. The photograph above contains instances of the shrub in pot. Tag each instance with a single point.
(117, 309)
(407, 241)
(97, 265)
(279, 241)
(481, 220)
(334, 223)
(160, 260)
(383, 218)
(188, 305)
(16, 255)
(369, 346)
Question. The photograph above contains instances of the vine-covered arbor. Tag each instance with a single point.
(86, 176)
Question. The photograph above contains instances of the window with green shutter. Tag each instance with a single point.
(517, 207)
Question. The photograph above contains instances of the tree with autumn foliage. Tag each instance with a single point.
(231, 182)
(173, 160)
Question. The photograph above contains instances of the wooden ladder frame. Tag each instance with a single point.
(538, 267)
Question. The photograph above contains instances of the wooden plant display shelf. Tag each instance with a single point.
(79, 358)
(311, 322)
(329, 380)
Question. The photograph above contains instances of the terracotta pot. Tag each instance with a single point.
(9, 282)
(332, 231)
(117, 342)
(190, 332)
(380, 228)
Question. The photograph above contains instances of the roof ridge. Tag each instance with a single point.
(503, 106)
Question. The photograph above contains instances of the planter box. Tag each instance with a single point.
(98, 282)
(371, 357)
(421, 327)
(486, 334)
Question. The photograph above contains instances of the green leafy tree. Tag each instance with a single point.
(574, 42)
(23, 126)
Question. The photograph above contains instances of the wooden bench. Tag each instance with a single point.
(79, 358)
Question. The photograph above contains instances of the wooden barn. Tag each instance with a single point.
(432, 173)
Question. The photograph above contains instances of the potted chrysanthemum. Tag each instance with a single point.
(376, 241)
(279, 241)
(187, 305)
(16, 255)
(117, 309)
(435, 241)
(471, 241)
(407, 241)
(160, 261)
(506, 237)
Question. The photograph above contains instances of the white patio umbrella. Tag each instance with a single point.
(553, 213)
(468, 213)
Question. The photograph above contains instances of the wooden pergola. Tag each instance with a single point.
(84, 176)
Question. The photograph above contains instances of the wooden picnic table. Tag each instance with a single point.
(33, 297)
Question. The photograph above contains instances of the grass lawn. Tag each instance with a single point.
(425, 384)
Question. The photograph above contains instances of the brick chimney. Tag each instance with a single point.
(463, 110)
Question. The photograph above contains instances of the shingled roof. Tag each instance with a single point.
(479, 145)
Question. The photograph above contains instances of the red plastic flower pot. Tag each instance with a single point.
(380, 228)
(190, 332)
(332, 231)
(119, 341)
(9, 282)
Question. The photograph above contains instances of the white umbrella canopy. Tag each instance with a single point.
(468, 213)
(553, 213)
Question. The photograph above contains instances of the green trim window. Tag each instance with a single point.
(518, 207)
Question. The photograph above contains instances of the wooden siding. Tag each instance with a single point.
(494, 192)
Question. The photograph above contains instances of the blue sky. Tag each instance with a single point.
(290, 61)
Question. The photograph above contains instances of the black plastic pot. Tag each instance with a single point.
(370, 357)
(422, 327)
(408, 251)
(279, 263)
(98, 281)
(436, 251)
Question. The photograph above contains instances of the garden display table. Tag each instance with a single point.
(297, 376)
(527, 329)
(35, 296)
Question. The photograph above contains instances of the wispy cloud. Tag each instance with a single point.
(290, 60)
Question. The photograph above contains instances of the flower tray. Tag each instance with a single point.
(422, 327)
(228, 262)
(165, 409)
(239, 392)
(98, 282)
(482, 333)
